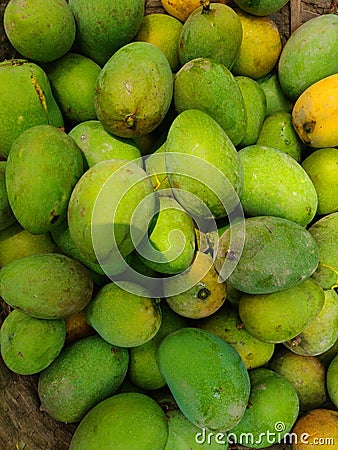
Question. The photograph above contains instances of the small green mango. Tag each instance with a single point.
(29, 345)
(50, 163)
(206, 377)
(105, 425)
(276, 254)
(86, 372)
(281, 315)
(46, 286)
(32, 103)
(276, 100)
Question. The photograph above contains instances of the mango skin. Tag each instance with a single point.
(133, 91)
(219, 95)
(277, 254)
(261, 7)
(332, 381)
(85, 372)
(7, 217)
(50, 163)
(281, 315)
(206, 377)
(30, 96)
(302, 62)
(315, 113)
(105, 425)
(286, 192)
(46, 286)
(273, 400)
(104, 26)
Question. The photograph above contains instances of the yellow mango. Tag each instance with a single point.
(315, 113)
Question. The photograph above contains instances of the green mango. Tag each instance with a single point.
(227, 324)
(85, 372)
(277, 131)
(332, 381)
(106, 195)
(282, 315)
(325, 233)
(46, 286)
(7, 217)
(103, 26)
(206, 377)
(122, 317)
(286, 192)
(43, 167)
(16, 242)
(73, 79)
(270, 254)
(31, 101)
(155, 166)
(128, 420)
(99, 145)
(134, 90)
(201, 160)
(170, 248)
(41, 30)
(261, 7)
(306, 374)
(302, 62)
(276, 100)
(218, 95)
(211, 31)
(143, 368)
(255, 104)
(321, 333)
(274, 408)
(29, 345)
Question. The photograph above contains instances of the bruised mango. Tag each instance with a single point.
(315, 113)
(46, 286)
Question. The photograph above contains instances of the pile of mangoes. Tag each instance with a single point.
(169, 222)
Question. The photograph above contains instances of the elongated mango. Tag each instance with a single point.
(315, 113)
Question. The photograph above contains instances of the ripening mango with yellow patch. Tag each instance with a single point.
(315, 113)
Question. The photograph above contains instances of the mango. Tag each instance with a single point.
(255, 104)
(281, 315)
(106, 197)
(218, 95)
(16, 242)
(134, 90)
(306, 374)
(123, 318)
(203, 165)
(332, 381)
(41, 30)
(227, 324)
(46, 286)
(200, 292)
(276, 100)
(286, 192)
(302, 62)
(325, 233)
(211, 31)
(32, 103)
(277, 131)
(99, 145)
(274, 407)
(77, 327)
(143, 369)
(86, 372)
(7, 217)
(317, 427)
(103, 26)
(315, 113)
(105, 425)
(322, 168)
(50, 163)
(206, 377)
(261, 7)
(274, 254)
(155, 166)
(73, 79)
(29, 345)
(321, 333)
